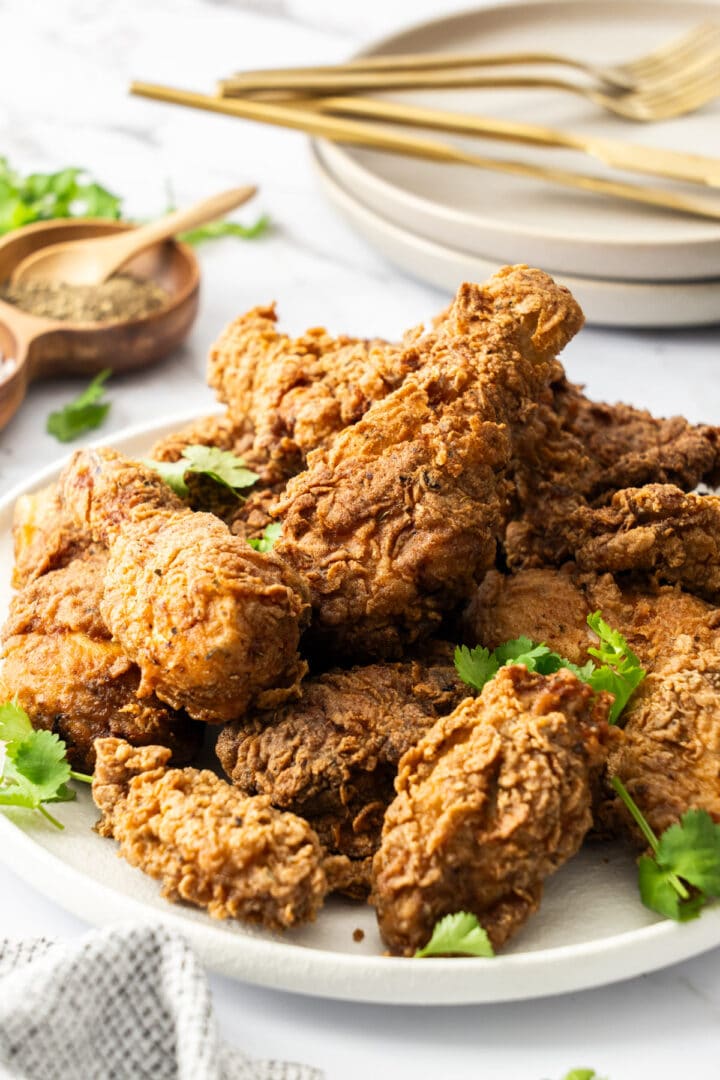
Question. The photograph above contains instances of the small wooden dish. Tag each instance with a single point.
(34, 347)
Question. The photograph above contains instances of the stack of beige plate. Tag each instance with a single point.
(628, 265)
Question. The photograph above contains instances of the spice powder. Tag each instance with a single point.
(119, 299)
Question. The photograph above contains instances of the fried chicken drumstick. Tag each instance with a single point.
(332, 756)
(490, 802)
(393, 524)
(212, 624)
(208, 844)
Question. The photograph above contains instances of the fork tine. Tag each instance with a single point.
(675, 55)
(704, 80)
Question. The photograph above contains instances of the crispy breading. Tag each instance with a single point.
(657, 528)
(209, 845)
(299, 392)
(212, 624)
(490, 802)
(332, 756)
(668, 752)
(45, 536)
(63, 668)
(396, 521)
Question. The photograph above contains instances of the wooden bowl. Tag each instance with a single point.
(37, 347)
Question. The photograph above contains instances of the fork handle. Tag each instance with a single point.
(324, 82)
(267, 78)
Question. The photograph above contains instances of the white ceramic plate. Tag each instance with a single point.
(605, 303)
(510, 219)
(590, 930)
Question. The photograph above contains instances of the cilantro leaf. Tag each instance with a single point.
(691, 849)
(33, 765)
(43, 196)
(476, 666)
(222, 466)
(621, 672)
(173, 473)
(216, 230)
(270, 534)
(15, 725)
(457, 935)
(683, 871)
(83, 414)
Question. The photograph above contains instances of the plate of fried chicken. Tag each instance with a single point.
(276, 725)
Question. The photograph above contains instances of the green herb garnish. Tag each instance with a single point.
(83, 414)
(220, 465)
(216, 230)
(620, 672)
(33, 764)
(44, 196)
(683, 872)
(270, 534)
(457, 935)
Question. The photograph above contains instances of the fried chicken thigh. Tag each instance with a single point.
(212, 624)
(208, 844)
(491, 801)
(668, 752)
(394, 523)
(332, 756)
(45, 536)
(65, 671)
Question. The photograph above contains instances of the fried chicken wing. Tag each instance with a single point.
(212, 624)
(490, 802)
(668, 752)
(394, 523)
(577, 453)
(208, 844)
(332, 756)
(657, 528)
(62, 666)
(299, 392)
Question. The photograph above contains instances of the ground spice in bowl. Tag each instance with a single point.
(119, 299)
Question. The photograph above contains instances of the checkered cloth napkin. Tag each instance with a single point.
(122, 1004)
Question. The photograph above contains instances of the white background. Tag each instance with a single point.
(64, 71)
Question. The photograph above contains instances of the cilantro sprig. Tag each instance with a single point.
(33, 765)
(71, 193)
(620, 671)
(222, 466)
(270, 534)
(84, 413)
(43, 196)
(683, 872)
(459, 934)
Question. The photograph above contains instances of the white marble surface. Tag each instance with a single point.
(63, 78)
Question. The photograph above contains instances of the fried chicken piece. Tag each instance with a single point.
(332, 756)
(397, 520)
(658, 529)
(66, 672)
(208, 844)
(213, 625)
(491, 801)
(630, 447)
(668, 752)
(299, 392)
(579, 452)
(221, 431)
(45, 536)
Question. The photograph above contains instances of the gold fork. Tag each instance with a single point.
(683, 54)
(378, 137)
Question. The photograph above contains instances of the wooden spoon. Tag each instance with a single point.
(90, 262)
